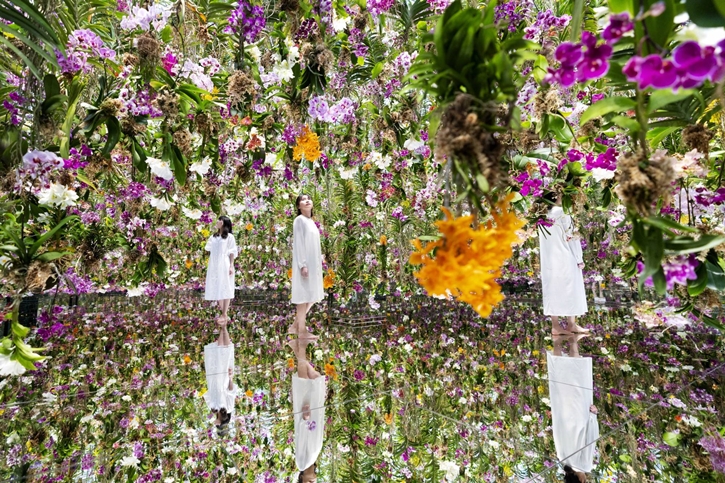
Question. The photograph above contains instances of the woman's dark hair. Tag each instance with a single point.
(297, 204)
(570, 475)
(299, 477)
(226, 227)
(224, 417)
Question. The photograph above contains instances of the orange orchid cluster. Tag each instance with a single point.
(308, 145)
(467, 261)
(329, 279)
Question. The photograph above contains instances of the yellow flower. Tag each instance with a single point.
(249, 393)
(388, 418)
(202, 392)
(187, 359)
(383, 240)
(308, 145)
(467, 261)
(405, 204)
(29, 446)
(189, 264)
(329, 279)
(249, 226)
(205, 233)
(291, 363)
(367, 166)
(289, 274)
(330, 371)
(212, 96)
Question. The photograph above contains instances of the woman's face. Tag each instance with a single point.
(219, 224)
(305, 203)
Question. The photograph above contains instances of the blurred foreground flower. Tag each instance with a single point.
(467, 261)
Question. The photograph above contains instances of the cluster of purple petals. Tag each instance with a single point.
(706, 197)
(690, 66)
(513, 12)
(246, 20)
(529, 186)
(677, 272)
(290, 133)
(580, 62)
(715, 445)
(140, 104)
(545, 21)
(376, 7)
(76, 159)
(606, 160)
(343, 112)
(12, 105)
(356, 38)
(439, 6)
(398, 213)
(82, 44)
(307, 28)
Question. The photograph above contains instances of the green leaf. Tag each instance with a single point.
(49, 234)
(377, 70)
(671, 439)
(619, 6)
(715, 277)
(653, 252)
(605, 106)
(660, 27)
(667, 224)
(29, 64)
(685, 245)
(74, 96)
(19, 330)
(696, 287)
(50, 256)
(706, 13)
(541, 66)
(576, 20)
(663, 97)
(114, 135)
(167, 33)
(657, 134)
(626, 123)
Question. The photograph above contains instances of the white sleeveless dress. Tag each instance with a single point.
(219, 284)
(306, 252)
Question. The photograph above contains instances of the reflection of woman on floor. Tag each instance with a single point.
(221, 391)
(307, 286)
(573, 414)
(562, 283)
(308, 404)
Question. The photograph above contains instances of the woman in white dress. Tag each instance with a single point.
(222, 248)
(308, 406)
(573, 414)
(221, 392)
(562, 281)
(306, 266)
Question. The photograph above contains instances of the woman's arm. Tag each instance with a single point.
(298, 243)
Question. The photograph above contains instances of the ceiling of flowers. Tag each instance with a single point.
(128, 127)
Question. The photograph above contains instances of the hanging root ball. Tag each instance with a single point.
(168, 103)
(148, 49)
(240, 86)
(642, 182)
(698, 137)
(461, 136)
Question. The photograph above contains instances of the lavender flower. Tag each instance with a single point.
(715, 445)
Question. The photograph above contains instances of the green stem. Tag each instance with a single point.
(642, 119)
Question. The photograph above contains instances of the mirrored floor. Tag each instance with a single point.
(426, 393)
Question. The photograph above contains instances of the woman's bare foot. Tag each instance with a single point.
(576, 329)
(292, 330)
(307, 335)
(311, 373)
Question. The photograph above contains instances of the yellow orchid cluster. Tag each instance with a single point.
(329, 279)
(467, 261)
(308, 145)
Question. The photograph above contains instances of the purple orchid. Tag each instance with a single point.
(595, 61)
(619, 24)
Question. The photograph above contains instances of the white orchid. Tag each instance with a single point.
(202, 167)
(160, 168)
(58, 195)
(194, 214)
(161, 204)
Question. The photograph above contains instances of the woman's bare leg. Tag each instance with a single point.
(224, 339)
(573, 327)
(556, 328)
(225, 308)
(301, 322)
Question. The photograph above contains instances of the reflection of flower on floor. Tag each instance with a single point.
(465, 262)
(384, 382)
